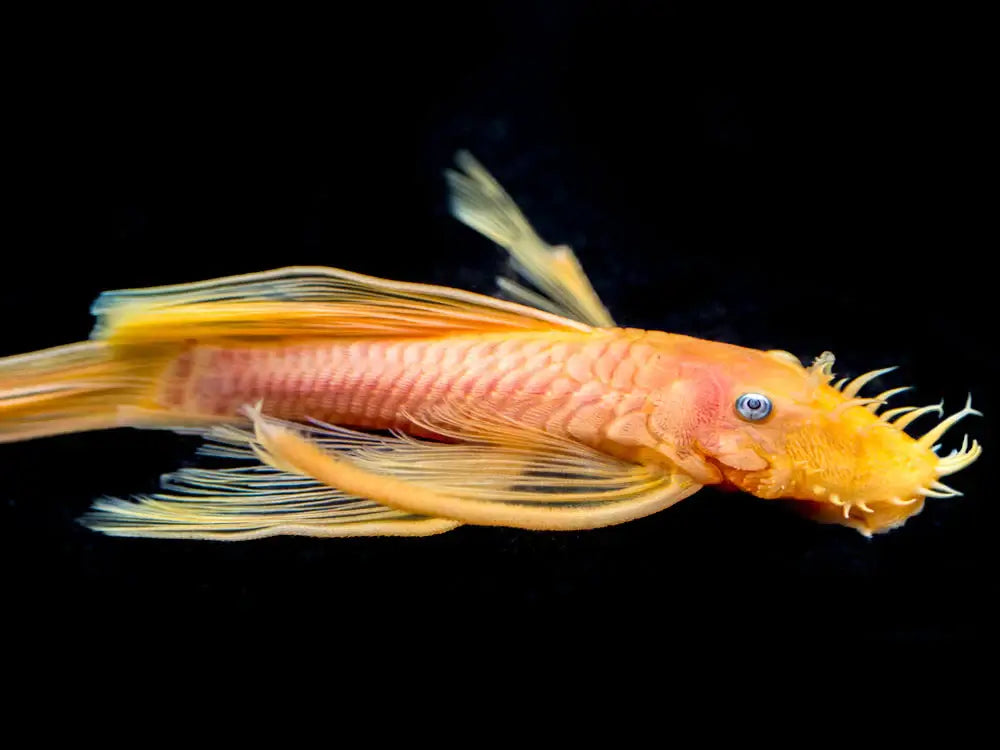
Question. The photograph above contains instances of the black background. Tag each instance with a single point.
(804, 182)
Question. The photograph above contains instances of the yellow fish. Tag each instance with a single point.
(367, 407)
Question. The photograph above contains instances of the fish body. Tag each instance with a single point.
(538, 413)
(607, 388)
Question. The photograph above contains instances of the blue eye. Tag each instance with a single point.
(753, 406)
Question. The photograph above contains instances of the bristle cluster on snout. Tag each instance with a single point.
(959, 459)
(903, 416)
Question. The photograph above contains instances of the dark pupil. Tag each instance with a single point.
(753, 404)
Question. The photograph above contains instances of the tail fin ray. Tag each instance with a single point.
(74, 388)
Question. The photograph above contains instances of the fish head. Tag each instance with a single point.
(784, 431)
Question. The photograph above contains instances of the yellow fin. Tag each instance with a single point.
(250, 502)
(77, 387)
(328, 481)
(308, 301)
(502, 475)
(479, 201)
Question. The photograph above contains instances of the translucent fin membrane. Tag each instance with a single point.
(300, 301)
(249, 502)
(496, 473)
(479, 201)
(246, 503)
(502, 476)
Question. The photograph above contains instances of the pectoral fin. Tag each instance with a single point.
(250, 502)
(501, 476)
(323, 480)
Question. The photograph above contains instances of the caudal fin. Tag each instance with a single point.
(74, 388)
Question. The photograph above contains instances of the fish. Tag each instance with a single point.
(335, 404)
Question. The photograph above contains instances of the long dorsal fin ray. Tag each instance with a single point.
(480, 202)
(306, 300)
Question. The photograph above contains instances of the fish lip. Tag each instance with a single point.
(758, 482)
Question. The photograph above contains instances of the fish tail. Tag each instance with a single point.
(120, 377)
(91, 385)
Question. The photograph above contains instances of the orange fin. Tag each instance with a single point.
(501, 475)
(308, 301)
(480, 202)
(86, 386)
(329, 481)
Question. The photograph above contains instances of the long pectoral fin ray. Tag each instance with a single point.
(500, 475)
(323, 480)
(250, 502)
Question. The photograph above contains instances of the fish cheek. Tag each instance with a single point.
(733, 449)
(695, 410)
(681, 412)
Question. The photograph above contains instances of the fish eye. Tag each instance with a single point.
(753, 406)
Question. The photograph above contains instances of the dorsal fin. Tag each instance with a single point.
(309, 301)
(480, 202)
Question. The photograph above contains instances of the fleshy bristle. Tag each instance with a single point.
(905, 421)
(884, 397)
(956, 461)
(821, 370)
(850, 403)
(852, 388)
(941, 487)
(932, 436)
(887, 415)
(935, 493)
